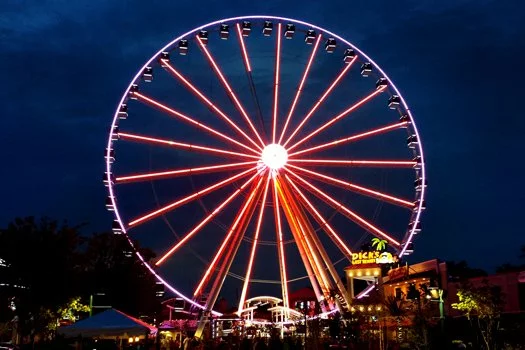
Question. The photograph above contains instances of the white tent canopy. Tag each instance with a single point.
(110, 323)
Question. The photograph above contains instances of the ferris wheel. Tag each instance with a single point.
(262, 150)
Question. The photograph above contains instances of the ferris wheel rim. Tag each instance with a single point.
(408, 237)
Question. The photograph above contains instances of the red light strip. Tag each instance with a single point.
(204, 221)
(338, 117)
(324, 224)
(323, 97)
(226, 241)
(276, 86)
(229, 89)
(363, 163)
(189, 198)
(190, 147)
(254, 247)
(280, 245)
(243, 47)
(181, 172)
(353, 216)
(208, 102)
(191, 120)
(352, 138)
(356, 188)
(300, 88)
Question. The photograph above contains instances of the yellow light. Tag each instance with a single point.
(351, 274)
(359, 273)
(352, 309)
(130, 340)
(378, 308)
(367, 273)
(361, 308)
(136, 338)
(369, 308)
(376, 273)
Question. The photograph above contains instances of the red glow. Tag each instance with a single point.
(280, 245)
(243, 47)
(254, 247)
(363, 163)
(181, 172)
(210, 104)
(351, 215)
(187, 146)
(276, 86)
(325, 225)
(229, 89)
(189, 198)
(204, 221)
(191, 120)
(226, 241)
(300, 88)
(352, 138)
(323, 97)
(338, 117)
(356, 188)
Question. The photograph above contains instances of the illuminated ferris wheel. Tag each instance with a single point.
(271, 148)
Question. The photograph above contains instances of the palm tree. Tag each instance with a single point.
(395, 310)
(380, 244)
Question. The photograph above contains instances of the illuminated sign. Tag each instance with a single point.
(373, 257)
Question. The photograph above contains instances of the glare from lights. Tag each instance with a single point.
(274, 156)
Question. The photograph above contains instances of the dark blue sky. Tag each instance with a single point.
(459, 64)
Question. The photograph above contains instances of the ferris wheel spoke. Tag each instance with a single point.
(280, 245)
(321, 99)
(300, 88)
(357, 163)
(181, 145)
(210, 104)
(171, 111)
(354, 188)
(276, 80)
(352, 138)
(339, 116)
(322, 222)
(205, 221)
(233, 236)
(254, 246)
(169, 174)
(229, 89)
(189, 198)
(344, 210)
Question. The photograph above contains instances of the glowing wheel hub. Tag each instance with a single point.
(274, 156)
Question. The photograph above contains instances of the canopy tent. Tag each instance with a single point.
(110, 323)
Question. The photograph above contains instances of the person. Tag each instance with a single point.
(186, 343)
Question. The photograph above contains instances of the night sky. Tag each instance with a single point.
(459, 64)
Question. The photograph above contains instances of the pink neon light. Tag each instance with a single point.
(338, 117)
(301, 85)
(190, 120)
(229, 89)
(352, 138)
(181, 172)
(356, 188)
(204, 222)
(188, 146)
(284, 279)
(188, 198)
(342, 246)
(208, 102)
(276, 86)
(371, 163)
(356, 218)
(227, 239)
(323, 97)
(254, 247)
(243, 47)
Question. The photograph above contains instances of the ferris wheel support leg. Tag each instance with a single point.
(319, 253)
(341, 298)
(280, 249)
(297, 237)
(322, 222)
(226, 264)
